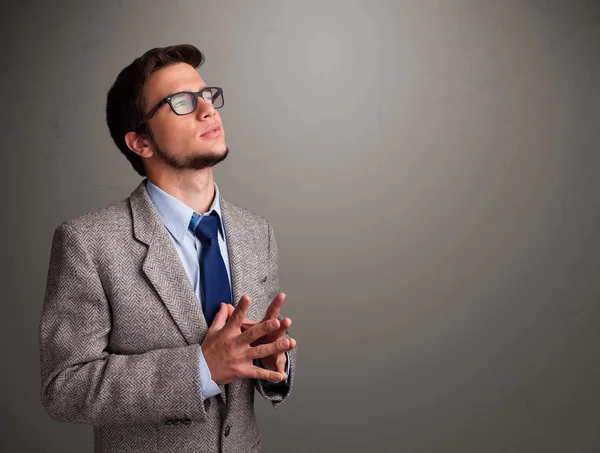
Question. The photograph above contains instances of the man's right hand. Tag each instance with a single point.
(227, 349)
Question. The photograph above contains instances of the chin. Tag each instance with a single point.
(221, 149)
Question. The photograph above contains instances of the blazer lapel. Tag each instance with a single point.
(164, 269)
(243, 265)
(243, 262)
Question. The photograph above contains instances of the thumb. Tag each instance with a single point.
(219, 319)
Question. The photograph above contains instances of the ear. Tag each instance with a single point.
(139, 144)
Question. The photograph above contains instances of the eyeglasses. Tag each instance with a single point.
(185, 102)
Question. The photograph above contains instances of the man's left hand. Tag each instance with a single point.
(275, 362)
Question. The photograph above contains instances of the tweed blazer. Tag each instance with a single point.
(121, 326)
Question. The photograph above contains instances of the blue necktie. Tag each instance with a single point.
(213, 274)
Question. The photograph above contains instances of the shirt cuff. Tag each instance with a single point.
(209, 387)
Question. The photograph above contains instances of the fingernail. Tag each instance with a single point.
(274, 324)
(284, 343)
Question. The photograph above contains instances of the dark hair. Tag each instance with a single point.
(125, 102)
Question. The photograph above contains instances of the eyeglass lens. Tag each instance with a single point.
(184, 103)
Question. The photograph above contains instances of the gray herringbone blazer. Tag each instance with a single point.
(121, 327)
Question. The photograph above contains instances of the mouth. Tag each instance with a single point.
(213, 131)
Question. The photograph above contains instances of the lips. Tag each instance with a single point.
(214, 127)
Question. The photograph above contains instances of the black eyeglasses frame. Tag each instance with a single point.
(196, 94)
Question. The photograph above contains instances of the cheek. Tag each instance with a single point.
(174, 133)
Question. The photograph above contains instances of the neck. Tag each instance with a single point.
(194, 188)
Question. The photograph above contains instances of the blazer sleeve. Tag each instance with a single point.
(81, 382)
(276, 394)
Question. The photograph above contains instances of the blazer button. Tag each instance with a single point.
(227, 430)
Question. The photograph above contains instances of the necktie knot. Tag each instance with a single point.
(206, 227)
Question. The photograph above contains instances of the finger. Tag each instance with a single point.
(278, 334)
(275, 363)
(264, 350)
(264, 374)
(292, 343)
(247, 323)
(283, 327)
(239, 313)
(219, 319)
(259, 330)
(275, 307)
(281, 361)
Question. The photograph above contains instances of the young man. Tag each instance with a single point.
(138, 334)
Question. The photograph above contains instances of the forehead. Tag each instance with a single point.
(171, 79)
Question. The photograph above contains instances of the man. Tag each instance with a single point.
(138, 334)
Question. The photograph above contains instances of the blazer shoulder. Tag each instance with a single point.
(108, 218)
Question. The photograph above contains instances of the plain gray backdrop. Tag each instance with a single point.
(431, 169)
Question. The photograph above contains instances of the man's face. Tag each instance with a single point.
(177, 140)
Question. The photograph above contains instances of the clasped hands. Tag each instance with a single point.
(233, 341)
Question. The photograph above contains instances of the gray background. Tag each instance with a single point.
(431, 171)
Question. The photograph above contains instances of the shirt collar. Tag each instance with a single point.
(176, 215)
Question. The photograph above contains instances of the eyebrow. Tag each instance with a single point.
(190, 89)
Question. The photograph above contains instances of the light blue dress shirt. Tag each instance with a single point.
(176, 216)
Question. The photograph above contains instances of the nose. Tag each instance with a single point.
(205, 109)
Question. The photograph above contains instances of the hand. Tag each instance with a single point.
(276, 361)
(228, 351)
